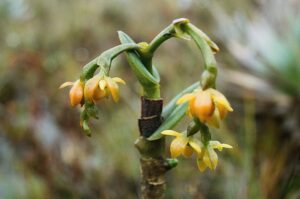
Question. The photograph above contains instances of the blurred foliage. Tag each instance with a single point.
(43, 153)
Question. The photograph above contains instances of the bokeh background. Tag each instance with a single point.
(44, 153)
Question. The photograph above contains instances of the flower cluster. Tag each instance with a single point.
(187, 145)
(209, 106)
(93, 90)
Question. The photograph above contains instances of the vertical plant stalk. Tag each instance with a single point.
(152, 161)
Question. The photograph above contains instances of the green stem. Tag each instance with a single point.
(164, 35)
(152, 92)
(205, 133)
(104, 60)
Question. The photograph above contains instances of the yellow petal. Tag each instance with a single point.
(189, 113)
(218, 145)
(214, 120)
(213, 158)
(90, 87)
(201, 165)
(113, 88)
(206, 160)
(220, 99)
(102, 84)
(177, 146)
(66, 84)
(185, 98)
(119, 80)
(227, 146)
(196, 145)
(171, 133)
(187, 152)
(222, 110)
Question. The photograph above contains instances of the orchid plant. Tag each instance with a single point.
(201, 101)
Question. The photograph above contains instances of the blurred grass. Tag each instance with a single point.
(44, 154)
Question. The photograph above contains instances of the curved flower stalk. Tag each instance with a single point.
(209, 106)
(187, 145)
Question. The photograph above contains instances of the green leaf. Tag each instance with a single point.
(143, 75)
(107, 56)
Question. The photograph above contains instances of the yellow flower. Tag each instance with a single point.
(99, 87)
(209, 106)
(183, 145)
(208, 157)
(76, 92)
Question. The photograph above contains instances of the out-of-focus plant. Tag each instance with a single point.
(206, 106)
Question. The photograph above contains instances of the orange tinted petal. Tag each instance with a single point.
(90, 87)
(76, 93)
(203, 106)
(98, 94)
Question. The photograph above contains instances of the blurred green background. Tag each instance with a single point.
(44, 154)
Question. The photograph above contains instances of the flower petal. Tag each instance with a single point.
(76, 93)
(99, 93)
(178, 146)
(90, 87)
(196, 144)
(118, 80)
(206, 160)
(187, 152)
(171, 133)
(214, 120)
(220, 99)
(227, 146)
(213, 157)
(218, 145)
(113, 88)
(102, 84)
(201, 165)
(203, 105)
(185, 98)
(66, 84)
